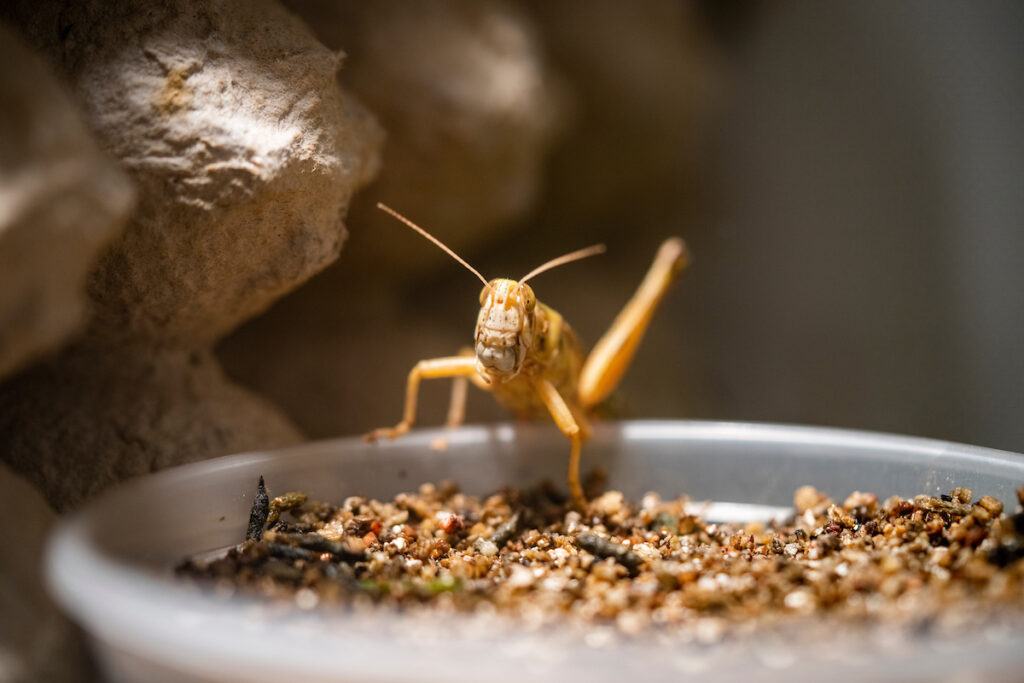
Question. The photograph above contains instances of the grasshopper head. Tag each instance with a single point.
(505, 326)
(504, 329)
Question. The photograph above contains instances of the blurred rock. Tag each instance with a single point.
(470, 110)
(93, 416)
(245, 152)
(36, 642)
(61, 200)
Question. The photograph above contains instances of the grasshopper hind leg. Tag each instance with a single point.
(611, 356)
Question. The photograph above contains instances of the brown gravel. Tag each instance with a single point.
(923, 563)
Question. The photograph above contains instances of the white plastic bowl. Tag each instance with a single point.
(110, 564)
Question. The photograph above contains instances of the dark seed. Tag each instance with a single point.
(290, 552)
(1018, 522)
(315, 543)
(602, 547)
(904, 508)
(359, 525)
(1007, 552)
(287, 527)
(504, 533)
(259, 512)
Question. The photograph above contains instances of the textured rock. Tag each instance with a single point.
(470, 111)
(55, 189)
(244, 150)
(245, 153)
(35, 641)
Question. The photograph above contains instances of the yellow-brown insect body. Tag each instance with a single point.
(528, 358)
(519, 339)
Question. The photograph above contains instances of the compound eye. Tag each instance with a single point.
(529, 299)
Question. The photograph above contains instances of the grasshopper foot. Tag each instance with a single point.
(386, 433)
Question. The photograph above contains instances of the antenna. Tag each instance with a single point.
(562, 260)
(439, 243)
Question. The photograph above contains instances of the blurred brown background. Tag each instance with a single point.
(849, 178)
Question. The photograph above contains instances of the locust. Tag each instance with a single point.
(528, 357)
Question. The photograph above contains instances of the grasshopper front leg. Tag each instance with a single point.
(563, 417)
(460, 386)
(435, 368)
(457, 402)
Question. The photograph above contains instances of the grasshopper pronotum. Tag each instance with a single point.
(528, 357)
